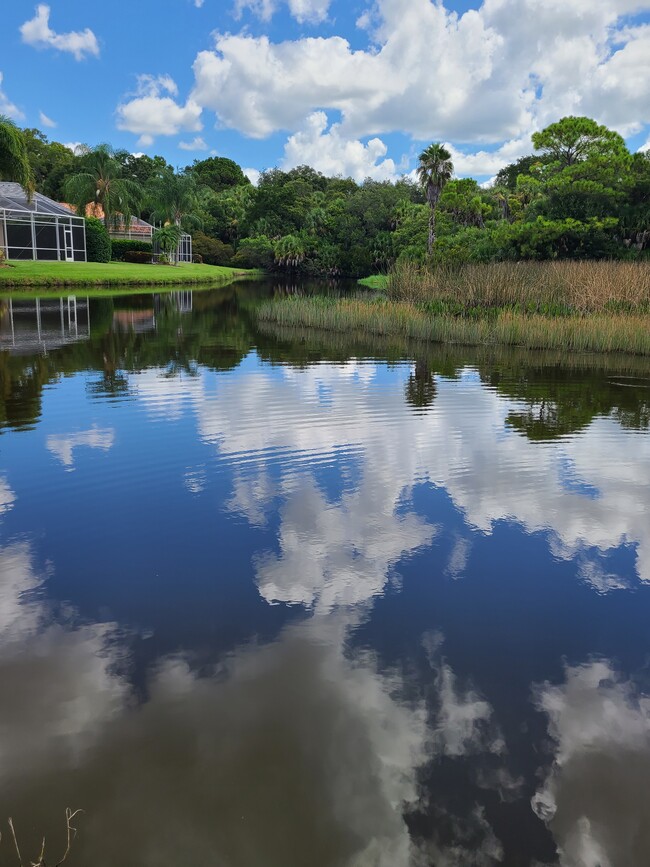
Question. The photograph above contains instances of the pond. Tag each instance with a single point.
(284, 599)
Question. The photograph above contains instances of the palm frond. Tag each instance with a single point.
(14, 162)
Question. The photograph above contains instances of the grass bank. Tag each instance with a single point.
(376, 281)
(24, 274)
(583, 307)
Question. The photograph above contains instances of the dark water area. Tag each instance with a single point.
(279, 598)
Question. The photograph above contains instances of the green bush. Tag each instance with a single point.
(539, 239)
(98, 244)
(212, 250)
(137, 257)
(120, 246)
(255, 253)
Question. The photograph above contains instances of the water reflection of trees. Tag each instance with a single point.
(557, 394)
(560, 394)
(216, 334)
(421, 386)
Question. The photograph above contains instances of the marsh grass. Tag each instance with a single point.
(551, 288)
(596, 332)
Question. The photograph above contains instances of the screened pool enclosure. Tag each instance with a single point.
(40, 228)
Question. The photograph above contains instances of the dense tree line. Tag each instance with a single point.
(580, 194)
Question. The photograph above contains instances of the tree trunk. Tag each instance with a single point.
(432, 228)
(433, 201)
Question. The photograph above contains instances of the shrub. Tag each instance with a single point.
(98, 244)
(255, 253)
(212, 250)
(197, 258)
(120, 246)
(539, 239)
(137, 257)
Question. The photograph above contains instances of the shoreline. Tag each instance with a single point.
(21, 276)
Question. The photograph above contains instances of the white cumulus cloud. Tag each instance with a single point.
(45, 120)
(253, 175)
(197, 144)
(488, 162)
(311, 11)
(7, 107)
(38, 33)
(330, 152)
(487, 78)
(153, 110)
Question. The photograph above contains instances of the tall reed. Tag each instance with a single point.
(566, 286)
(598, 332)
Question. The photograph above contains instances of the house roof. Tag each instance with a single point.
(14, 198)
(93, 209)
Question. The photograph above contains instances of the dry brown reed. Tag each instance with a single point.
(582, 287)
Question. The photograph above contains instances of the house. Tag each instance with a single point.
(39, 228)
(137, 230)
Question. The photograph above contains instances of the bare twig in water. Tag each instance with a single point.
(13, 834)
(71, 833)
(41, 857)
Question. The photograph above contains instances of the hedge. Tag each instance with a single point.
(98, 244)
(122, 245)
(138, 257)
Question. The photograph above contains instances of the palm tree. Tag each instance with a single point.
(14, 163)
(174, 198)
(435, 169)
(290, 251)
(102, 182)
(168, 238)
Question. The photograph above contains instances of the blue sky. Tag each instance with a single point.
(350, 87)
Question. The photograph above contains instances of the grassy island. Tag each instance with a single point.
(584, 306)
(25, 274)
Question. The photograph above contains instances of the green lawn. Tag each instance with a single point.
(28, 273)
(377, 281)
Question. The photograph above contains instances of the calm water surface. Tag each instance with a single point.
(284, 600)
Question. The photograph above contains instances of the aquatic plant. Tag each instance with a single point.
(596, 332)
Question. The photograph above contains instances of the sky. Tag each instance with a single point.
(351, 87)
